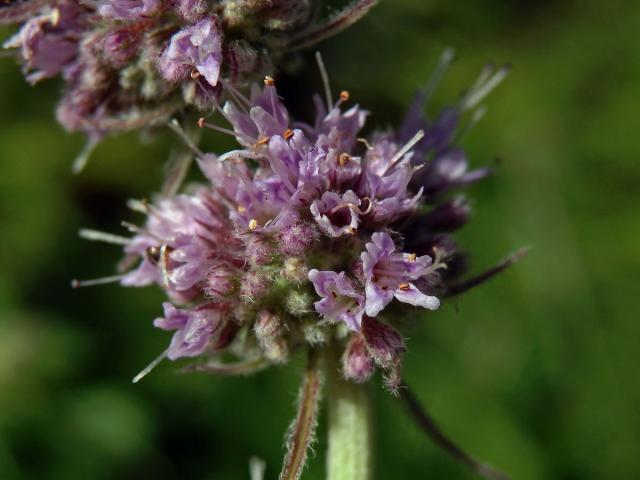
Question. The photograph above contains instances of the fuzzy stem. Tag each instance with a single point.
(349, 454)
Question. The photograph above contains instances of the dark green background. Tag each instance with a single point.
(535, 372)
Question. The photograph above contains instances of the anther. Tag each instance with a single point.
(241, 209)
(261, 141)
(253, 224)
(288, 133)
(412, 257)
(201, 121)
(55, 17)
(404, 287)
(269, 81)
(344, 96)
(153, 254)
(195, 74)
(343, 159)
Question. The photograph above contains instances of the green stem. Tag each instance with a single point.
(349, 454)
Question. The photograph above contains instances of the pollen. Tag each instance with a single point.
(253, 224)
(269, 81)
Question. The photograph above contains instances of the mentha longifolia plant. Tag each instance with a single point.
(310, 237)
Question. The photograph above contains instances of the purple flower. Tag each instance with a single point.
(196, 47)
(337, 214)
(448, 170)
(389, 274)
(341, 301)
(49, 43)
(194, 328)
(267, 117)
(128, 9)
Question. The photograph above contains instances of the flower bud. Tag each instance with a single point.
(191, 10)
(314, 334)
(295, 270)
(296, 238)
(299, 303)
(384, 342)
(120, 45)
(220, 282)
(260, 250)
(269, 330)
(254, 285)
(357, 363)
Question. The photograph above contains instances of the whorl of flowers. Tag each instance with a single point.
(311, 235)
(128, 64)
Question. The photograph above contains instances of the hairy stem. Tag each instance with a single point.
(301, 433)
(349, 454)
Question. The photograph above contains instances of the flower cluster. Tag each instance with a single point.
(133, 63)
(309, 234)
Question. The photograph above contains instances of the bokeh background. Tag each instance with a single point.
(535, 372)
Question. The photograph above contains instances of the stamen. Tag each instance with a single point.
(175, 126)
(237, 95)
(365, 143)
(477, 94)
(195, 74)
(163, 265)
(98, 236)
(344, 96)
(201, 121)
(96, 281)
(150, 367)
(476, 116)
(412, 257)
(325, 81)
(269, 81)
(140, 206)
(288, 133)
(84, 155)
(261, 141)
(55, 17)
(369, 206)
(343, 159)
(241, 209)
(443, 65)
(404, 287)
(134, 228)
(408, 146)
(226, 131)
(253, 224)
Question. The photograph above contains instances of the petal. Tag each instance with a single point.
(415, 297)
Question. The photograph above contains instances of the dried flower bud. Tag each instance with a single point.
(357, 363)
(269, 331)
(384, 342)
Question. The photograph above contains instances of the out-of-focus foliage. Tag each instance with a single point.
(534, 372)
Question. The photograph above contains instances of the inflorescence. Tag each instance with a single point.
(129, 64)
(309, 234)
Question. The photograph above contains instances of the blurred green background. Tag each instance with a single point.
(535, 372)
